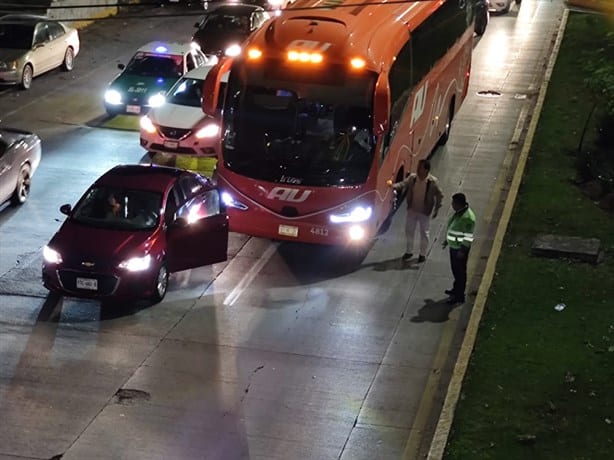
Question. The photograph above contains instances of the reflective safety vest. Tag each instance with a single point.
(460, 229)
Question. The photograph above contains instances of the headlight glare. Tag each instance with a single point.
(210, 130)
(356, 233)
(230, 202)
(157, 100)
(136, 264)
(233, 50)
(147, 125)
(357, 214)
(51, 255)
(113, 97)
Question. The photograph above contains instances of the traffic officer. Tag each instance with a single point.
(459, 237)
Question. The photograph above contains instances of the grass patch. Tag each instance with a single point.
(540, 383)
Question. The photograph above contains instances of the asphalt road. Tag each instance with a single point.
(284, 351)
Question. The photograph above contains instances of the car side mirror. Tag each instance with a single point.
(66, 209)
(121, 66)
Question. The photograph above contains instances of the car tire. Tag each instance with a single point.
(446, 133)
(111, 112)
(22, 188)
(69, 60)
(518, 2)
(507, 8)
(481, 21)
(26, 77)
(160, 284)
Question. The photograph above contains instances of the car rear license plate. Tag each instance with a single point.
(288, 230)
(133, 108)
(171, 144)
(90, 284)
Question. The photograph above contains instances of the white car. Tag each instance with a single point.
(31, 45)
(179, 125)
(501, 6)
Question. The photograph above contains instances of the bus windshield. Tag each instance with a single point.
(289, 130)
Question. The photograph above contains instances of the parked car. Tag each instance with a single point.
(31, 45)
(501, 6)
(482, 16)
(153, 69)
(223, 30)
(131, 228)
(179, 124)
(20, 155)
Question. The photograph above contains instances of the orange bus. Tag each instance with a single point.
(327, 102)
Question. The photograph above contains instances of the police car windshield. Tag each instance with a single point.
(155, 65)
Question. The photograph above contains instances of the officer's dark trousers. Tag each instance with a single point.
(458, 262)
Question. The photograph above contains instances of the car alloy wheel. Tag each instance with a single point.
(26, 77)
(22, 189)
(69, 60)
(161, 283)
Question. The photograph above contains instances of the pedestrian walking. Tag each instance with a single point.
(424, 198)
(459, 237)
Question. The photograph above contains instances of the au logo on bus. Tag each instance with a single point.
(293, 195)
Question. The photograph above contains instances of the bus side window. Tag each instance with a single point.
(400, 88)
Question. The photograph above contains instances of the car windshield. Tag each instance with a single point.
(16, 36)
(155, 65)
(223, 23)
(316, 132)
(119, 208)
(187, 91)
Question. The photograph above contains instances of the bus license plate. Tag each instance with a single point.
(133, 109)
(87, 283)
(288, 230)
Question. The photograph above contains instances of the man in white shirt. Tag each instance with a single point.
(424, 199)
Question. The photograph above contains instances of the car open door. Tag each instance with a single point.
(199, 234)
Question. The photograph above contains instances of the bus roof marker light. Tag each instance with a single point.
(316, 58)
(358, 63)
(254, 53)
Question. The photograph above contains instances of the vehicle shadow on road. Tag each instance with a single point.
(434, 311)
(392, 264)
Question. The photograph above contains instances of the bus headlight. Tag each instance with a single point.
(356, 232)
(357, 214)
(210, 130)
(112, 96)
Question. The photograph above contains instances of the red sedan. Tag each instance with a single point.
(131, 228)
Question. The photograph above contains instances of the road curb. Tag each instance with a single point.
(446, 417)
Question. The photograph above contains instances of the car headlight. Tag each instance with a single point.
(356, 233)
(233, 50)
(230, 202)
(51, 255)
(157, 100)
(358, 214)
(113, 97)
(136, 264)
(147, 125)
(210, 130)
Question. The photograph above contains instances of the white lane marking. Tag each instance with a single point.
(250, 275)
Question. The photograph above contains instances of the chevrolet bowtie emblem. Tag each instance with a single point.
(88, 264)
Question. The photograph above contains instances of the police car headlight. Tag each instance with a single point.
(210, 130)
(357, 214)
(233, 50)
(136, 264)
(113, 96)
(157, 100)
(147, 125)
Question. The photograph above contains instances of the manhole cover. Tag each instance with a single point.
(489, 93)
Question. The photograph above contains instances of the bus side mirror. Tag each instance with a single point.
(212, 86)
(381, 105)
